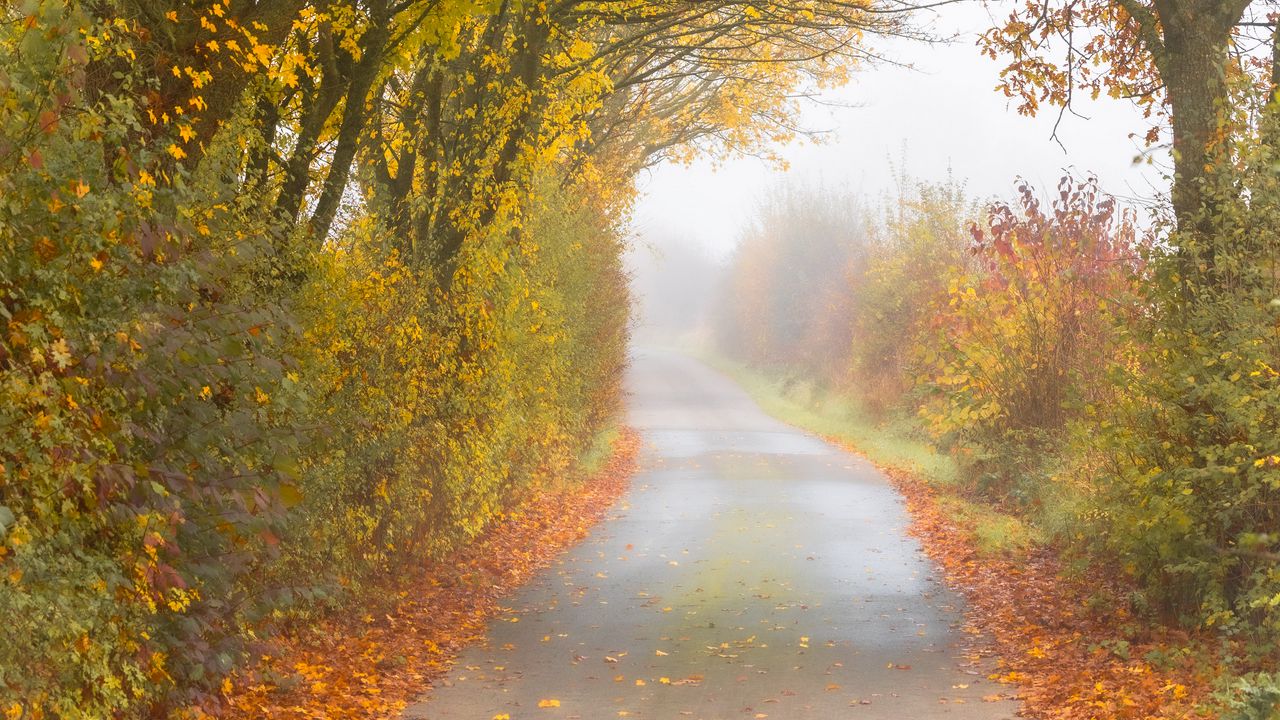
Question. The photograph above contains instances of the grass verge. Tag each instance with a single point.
(897, 444)
(1061, 643)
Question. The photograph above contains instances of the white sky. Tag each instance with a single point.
(942, 114)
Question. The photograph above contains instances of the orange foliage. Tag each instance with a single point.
(1046, 632)
(370, 666)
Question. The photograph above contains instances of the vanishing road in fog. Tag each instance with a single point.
(752, 571)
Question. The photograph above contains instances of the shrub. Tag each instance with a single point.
(1191, 493)
(1019, 347)
(145, 392)
(914, 251)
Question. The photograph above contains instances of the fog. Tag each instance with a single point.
(928, 112)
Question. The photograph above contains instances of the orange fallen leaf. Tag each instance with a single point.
(336, 660)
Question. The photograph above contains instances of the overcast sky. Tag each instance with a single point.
(942, 114)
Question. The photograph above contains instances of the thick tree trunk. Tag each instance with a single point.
(434, 159)
(183, 44)
(424, 92)
(258, 166)
(1192, 63)
(1271, 112)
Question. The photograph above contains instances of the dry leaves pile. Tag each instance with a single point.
(371, 665)
(1065, 654)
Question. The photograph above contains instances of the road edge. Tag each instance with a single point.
(377, 664)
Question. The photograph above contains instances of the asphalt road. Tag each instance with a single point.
(752, 571)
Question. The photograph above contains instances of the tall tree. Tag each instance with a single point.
(1171, 56)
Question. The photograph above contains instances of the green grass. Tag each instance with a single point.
(598, 452)
(896, 443)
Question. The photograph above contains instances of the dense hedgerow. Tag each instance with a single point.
(295, 295)
(196, 443)
(145, 391)
(1191, 491)
(441, 410)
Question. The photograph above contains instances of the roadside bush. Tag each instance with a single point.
(1191, 497)
(437, 413)
(145, 391)
(1019, 348)
(1253, 696)
(785, 300)
(915, 249)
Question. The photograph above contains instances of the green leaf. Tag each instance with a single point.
(286, 466)
(290, 495)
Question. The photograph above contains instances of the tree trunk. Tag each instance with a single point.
(528, 62)
(354, 115)
(297, 170)
(258, 167)
(1271, 111)
(1193, 62)
(183, 45)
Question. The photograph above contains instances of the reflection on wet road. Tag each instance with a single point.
(752, 571)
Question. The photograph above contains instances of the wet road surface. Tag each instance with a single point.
(752, 571)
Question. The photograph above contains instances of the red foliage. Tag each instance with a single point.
(1083, 233)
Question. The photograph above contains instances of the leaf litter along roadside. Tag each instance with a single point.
(370, 664)
(1067, 659)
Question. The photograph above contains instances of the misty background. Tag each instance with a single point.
(927, 112)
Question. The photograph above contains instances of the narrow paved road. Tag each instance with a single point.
(752, 571)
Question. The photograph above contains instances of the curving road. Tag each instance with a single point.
(753, 571)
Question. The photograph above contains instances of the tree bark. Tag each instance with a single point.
(354, 116)
(1192, 61)
(297, 170)
(528, 62)
(179, 45)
